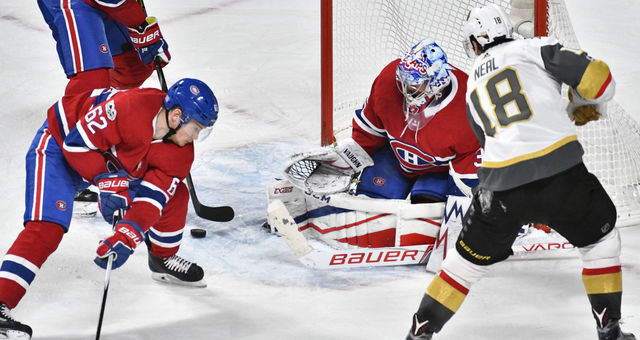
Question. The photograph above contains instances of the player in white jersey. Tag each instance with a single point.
(532, 169)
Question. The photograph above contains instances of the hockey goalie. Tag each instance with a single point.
(381, 196)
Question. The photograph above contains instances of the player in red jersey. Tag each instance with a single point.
(136, 147)
(104, 43)
(414, 125)
(409, 139)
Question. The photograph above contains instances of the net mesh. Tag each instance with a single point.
(302, 169)
(368, 34)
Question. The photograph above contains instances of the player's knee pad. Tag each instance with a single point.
(384, 179)
(604, 253)
(462, 270)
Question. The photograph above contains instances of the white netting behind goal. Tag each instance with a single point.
(368, 34)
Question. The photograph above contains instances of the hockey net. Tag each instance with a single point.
(365, 35)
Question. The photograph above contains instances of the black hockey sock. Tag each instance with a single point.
(604, 289)
(444, 297)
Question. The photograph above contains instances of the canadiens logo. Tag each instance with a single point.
(104, 48)
(413, 159)
(379, 181)
(61, 205)
(194, 89)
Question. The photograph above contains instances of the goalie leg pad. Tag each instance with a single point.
(291, 196)
(384, 179)
(345, 228)
(432, 185)
(454, 211)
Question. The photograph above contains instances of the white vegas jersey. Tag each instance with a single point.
(515, 106)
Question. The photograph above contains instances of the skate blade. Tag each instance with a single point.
(172, 280)
(13, 335)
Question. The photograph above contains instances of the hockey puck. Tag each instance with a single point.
(198, 233)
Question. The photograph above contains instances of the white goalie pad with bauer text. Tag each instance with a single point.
(343, 230)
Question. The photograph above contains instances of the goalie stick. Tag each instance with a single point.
(217, 214)
(330, 258)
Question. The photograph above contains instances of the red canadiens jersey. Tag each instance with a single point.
(167, 165)
(127, 12)
(106, 130)
(447, 138)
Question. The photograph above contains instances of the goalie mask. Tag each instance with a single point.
(486, 25)
(421, 76)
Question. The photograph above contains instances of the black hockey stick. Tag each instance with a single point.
(117, 216)
(107, 278)
(218, 214)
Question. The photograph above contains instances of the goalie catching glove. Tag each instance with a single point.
(329, 170)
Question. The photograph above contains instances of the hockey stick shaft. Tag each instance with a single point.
(218, 214)
(107, 278)
(117, 216)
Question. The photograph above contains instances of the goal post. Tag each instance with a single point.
(540, 18)
(359, 37)
(326, 71)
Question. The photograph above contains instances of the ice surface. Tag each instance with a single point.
(262, 60)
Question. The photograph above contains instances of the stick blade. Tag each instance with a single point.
(216, 214)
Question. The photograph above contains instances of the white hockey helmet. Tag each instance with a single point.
(486, 24)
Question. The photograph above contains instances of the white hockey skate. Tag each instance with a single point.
(176, 270)
(10, 328)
